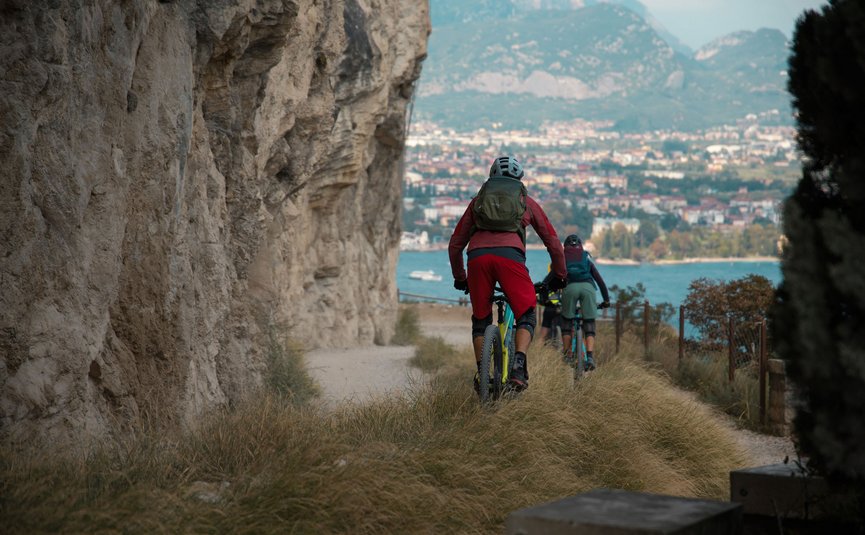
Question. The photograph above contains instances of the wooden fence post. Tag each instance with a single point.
(681, 332)
(618, 327)
(646, 326)
(764, 359)
(732, 367)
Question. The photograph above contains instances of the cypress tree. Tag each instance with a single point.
(818, 315)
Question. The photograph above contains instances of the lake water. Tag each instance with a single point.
(664, 283)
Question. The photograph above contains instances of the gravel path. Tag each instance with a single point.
(361, 374)
(357, 375)
(764, 449)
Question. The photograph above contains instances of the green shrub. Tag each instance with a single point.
(407, 327)
(286, 375)
(711, 304)
(819, 313)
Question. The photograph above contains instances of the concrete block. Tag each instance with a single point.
(619, 512)
(778, 490)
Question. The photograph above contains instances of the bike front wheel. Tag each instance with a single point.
(491, 353)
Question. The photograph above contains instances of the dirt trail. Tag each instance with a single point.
(357, 375)
(360, 374)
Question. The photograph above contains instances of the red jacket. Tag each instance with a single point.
(533, 216)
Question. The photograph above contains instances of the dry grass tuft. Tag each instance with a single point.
(435, 462)
(407, 326)
(707, 376)
(286, 375)
(431, 354)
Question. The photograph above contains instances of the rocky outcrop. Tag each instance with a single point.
(185, 184)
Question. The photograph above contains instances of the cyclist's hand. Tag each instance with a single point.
(540, 288)
(463, 285)
(605, 304)
(558, 284)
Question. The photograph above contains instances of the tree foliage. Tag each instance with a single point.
(818, 316)
(711, 304)
(631, 302)
(648, 243)
(569, 218)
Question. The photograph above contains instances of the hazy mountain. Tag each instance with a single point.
(592, 52)
(558, 59)
(446, 12)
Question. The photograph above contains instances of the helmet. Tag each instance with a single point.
(507, 166)
(573, 240)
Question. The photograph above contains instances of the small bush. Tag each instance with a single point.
(286, 376)
(631, 304)
(407, 327)
(432, 354)
(710, 304)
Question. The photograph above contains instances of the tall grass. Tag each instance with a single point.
(706, 375)
(435, 462)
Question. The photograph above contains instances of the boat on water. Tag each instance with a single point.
(428, 275)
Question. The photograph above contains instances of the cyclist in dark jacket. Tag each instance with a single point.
(582, 277)
(500, 257)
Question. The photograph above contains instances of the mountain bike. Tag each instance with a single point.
(552, 301)
(578, 345)
(498, 349)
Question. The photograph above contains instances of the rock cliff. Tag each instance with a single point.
(184, 186)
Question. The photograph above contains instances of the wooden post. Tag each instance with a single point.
(618, 327)
(763, 371)
(646, 326)
(681, 332)
(732, 367)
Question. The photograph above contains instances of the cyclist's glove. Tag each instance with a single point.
(540, 288)
(605, 304)
(462, 285)
(558, 284)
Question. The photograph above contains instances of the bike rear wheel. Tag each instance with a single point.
(490, 355)
(579, 354)
(556, 334)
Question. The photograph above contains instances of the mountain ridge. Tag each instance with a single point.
(597, 60)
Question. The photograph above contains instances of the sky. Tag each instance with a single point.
(697, 22)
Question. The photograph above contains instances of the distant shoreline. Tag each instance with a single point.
(628, 262)
(695, 260)
(715, 260)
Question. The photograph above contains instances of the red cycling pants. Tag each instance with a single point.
(513, 277)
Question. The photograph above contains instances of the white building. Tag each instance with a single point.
(604, 223)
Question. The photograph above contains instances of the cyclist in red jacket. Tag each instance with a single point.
(494, 229)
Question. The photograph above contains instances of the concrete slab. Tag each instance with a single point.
(778, 490)
(619, 512)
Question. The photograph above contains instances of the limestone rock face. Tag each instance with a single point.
(185, 184)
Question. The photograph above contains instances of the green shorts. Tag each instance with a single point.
(584, 292)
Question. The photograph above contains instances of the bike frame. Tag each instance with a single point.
(506, 323)
(578, 351)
